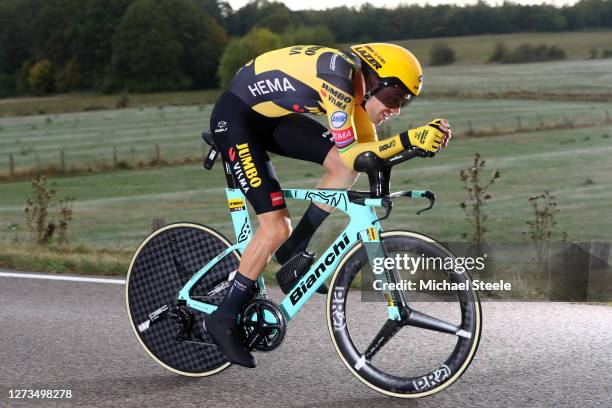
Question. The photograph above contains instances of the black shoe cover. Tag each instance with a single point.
(227, 336)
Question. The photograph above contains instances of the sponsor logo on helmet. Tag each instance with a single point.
(365, 54)
(338, 119)
(377, 55)
(267, 86)
(276, 198)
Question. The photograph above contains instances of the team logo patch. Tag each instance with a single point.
(236, 204)
(343, 138)
(221, 126)
(338, 119)
(277, 198)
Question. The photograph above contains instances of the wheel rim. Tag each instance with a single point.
(152, 283)
(434, 380)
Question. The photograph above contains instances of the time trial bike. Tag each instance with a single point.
(397, 345)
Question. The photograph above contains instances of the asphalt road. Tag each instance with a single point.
(76, 336)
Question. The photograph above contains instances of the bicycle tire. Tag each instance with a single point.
(160, 267)
(391, 384)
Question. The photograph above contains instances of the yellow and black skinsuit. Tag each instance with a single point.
(263, 110)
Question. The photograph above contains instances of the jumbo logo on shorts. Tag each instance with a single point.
(247, 165)
(338, 119)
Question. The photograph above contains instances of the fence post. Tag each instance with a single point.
(541, 121)
(114, 157)
(157, 154)
(520, 125)
(471, 129)
(62, 161)
(11, 165)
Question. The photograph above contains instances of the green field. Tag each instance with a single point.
(89, 102)
(88, 138)
(476, 49)
(114, 210)
(591, 77)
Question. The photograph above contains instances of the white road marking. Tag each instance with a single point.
(60, 277)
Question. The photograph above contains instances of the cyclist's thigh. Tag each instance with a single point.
(300, 137)
(238, 131)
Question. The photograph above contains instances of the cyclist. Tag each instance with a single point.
(263, 111)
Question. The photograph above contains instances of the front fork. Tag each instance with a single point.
(397, 301)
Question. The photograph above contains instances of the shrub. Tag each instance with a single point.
(40, 77)
(533, 53)
(45, 220)
(607, 53)
(441, 54)
(69, 77)
(477, 197)
(498, 52)
(240, 50)
(319, 35)
(542, 226)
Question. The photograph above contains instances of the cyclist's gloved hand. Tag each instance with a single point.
(431, 137)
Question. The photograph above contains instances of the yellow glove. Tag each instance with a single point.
(428, 137)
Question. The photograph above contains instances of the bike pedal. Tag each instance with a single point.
(295, 268)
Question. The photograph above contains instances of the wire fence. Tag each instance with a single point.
(28, 161)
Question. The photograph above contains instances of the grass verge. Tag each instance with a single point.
(78, 259)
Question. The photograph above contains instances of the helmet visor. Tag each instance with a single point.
(393, 96)
(392, 93)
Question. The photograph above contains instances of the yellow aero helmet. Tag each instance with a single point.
(392, 61)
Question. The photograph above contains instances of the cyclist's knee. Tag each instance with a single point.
(335, 166)
(276, 228)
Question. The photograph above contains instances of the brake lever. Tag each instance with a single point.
(432, 199)
(388, 206)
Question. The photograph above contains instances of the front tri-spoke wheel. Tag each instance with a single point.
(413, 355)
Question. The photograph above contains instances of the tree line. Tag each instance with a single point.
(50, 46)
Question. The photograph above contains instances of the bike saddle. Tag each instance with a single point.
(207, 136)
